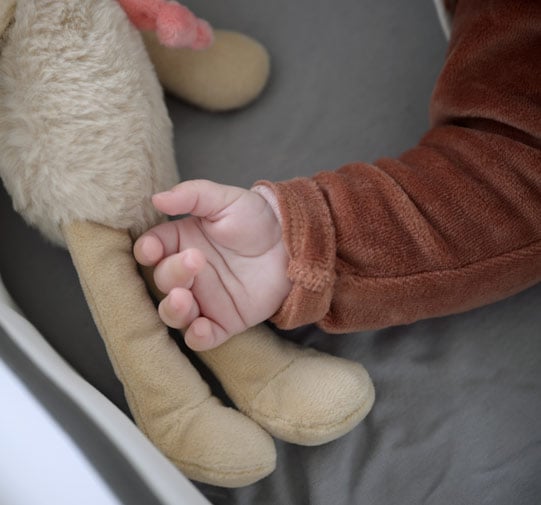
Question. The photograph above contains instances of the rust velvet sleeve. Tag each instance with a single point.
(452, 224)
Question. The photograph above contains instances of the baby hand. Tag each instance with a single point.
(223, 268)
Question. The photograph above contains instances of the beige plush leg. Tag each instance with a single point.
(296, 394)
(169, 400)
(228, 75)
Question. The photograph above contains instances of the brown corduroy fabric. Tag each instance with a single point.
(453, 223)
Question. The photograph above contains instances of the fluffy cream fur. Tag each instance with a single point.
(80, 146)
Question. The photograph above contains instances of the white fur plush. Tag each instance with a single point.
(86, 151)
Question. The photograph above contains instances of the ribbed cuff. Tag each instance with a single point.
(309, 238)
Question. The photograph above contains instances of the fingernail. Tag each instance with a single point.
(146, 247)
(189, 262)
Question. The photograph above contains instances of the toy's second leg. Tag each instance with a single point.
(297, 394)
(169, 400)
(228, 75)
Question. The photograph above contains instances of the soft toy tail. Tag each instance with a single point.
(174, 24)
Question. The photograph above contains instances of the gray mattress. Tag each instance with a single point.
(457, 416)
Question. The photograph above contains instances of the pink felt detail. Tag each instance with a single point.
(174, 24)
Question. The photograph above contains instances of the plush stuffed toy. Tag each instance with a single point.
(85, 140)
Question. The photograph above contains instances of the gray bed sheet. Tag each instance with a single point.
(457, 415)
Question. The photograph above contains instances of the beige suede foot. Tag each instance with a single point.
(296, 394)
(214, 444)
(169, 400)
(228, 75)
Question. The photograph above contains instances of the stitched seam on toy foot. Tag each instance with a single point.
(237, 391)
(186, 410)
(278, 373)
(216, 469)
(312, 426)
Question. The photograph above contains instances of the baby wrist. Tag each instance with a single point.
(270, 197)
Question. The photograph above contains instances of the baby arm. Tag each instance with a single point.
(450, 225)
